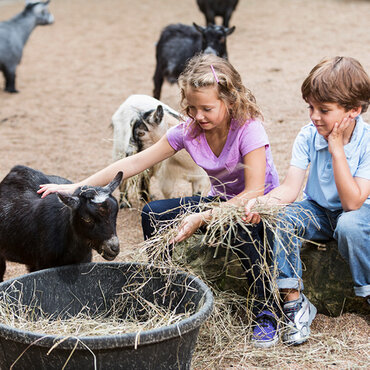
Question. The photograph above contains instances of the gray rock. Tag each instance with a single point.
(326, 276)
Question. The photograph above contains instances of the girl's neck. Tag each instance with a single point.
(220, 131)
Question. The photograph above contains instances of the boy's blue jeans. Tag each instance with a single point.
(350, 229)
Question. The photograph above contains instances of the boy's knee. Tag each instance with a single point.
(347, 224)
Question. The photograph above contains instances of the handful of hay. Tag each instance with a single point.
(221, 231)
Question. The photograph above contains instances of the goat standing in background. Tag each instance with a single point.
(140, 122)
(14, 34)
(61, 229)
(213, 8)
(179, 42)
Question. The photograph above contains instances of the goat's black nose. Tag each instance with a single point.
(115, 248)
(112, 245)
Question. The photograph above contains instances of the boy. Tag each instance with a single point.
(336, 146)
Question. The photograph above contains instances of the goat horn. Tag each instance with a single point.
(115, 182)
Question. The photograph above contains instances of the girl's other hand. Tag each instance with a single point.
(46, 189)
(251, 217)
(188, 227)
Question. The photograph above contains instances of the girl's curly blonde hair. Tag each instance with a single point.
(239, 100)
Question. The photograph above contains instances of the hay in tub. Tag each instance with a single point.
(122, 316)
(133, 308)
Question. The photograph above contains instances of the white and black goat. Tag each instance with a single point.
(59, 229)
(139, 123)
(14, 34)
(213, 8)
(179, 42)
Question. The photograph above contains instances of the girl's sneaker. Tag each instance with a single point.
(265, 332)
(299, 315)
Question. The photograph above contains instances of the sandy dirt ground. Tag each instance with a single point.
(76, 73)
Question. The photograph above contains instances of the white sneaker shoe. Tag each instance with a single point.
(299, 315)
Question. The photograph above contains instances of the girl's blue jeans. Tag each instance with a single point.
(244, 243)
(350, 229)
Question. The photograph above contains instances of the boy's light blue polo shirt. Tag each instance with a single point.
(310, 148)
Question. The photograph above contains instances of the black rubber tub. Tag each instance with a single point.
(69, 289)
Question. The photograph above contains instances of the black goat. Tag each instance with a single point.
(213, 8)
(179, 42)
(59, 229)
(14, 34)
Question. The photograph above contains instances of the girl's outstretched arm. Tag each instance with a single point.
(130, 166)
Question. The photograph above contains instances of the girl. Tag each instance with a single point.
(225, 137)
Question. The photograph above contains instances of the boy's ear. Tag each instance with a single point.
(354, 112)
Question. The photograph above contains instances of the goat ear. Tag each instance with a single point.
(158, 115)
(114, 183)
(229, 31)
(69, 200)
(198, 28)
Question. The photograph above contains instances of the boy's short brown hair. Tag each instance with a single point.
(340, 80)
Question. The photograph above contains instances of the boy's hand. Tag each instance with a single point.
(336, 136)
(188, 227)
(251, 217)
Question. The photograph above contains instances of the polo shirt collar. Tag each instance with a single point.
(320, 142)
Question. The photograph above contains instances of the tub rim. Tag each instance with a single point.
(146, 337)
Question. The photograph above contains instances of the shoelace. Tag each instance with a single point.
(291, 311)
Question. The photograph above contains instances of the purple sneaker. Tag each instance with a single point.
(265, 333)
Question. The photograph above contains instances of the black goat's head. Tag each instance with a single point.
(214, 39)
(94, 216)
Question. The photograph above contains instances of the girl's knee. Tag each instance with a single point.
(145, 211)
(156, 206)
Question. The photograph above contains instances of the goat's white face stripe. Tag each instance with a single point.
(100, 197)
(210, 50)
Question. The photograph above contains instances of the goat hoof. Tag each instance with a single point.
(12, 91)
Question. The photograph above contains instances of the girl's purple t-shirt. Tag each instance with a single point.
(226, 172)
